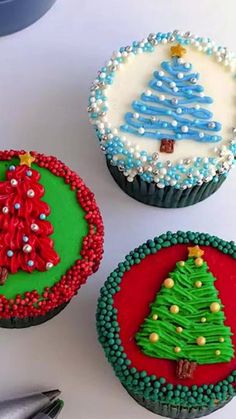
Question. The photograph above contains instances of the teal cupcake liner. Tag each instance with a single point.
(168, 197)
(177, 412)
(156, 393)
(18, 323)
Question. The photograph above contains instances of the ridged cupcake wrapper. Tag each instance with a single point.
(168, 197)
(17, 323)
(177, 412)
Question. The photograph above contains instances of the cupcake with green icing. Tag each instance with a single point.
(166, 320)
(51, 236)
(164, 112)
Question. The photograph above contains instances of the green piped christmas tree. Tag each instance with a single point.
(186, 320)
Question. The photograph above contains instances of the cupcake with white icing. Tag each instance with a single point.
(164, 113)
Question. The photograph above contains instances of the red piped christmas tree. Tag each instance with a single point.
(24, 230)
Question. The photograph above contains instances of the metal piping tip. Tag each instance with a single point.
(52, 394)
(53, 409)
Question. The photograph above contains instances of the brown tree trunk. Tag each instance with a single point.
(3, 275)
(167, 145)
(185, 369)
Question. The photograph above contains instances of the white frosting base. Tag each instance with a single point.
(132, 79)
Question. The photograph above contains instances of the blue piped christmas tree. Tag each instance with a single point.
(172, 108)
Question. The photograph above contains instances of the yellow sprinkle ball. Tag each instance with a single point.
(177, 349)
(154, 337)
(174, 309)
(155, 317)
(179, 329)
(201, 340)
(199, 262)
(169, 283)
(198, 284)
(215, 307)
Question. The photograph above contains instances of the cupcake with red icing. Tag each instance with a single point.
(166, 321)
(51, 236)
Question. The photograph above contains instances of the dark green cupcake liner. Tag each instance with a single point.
(17, 323)
(177, 412)
(168, 197)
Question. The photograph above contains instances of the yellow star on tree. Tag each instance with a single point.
(26, 159)
(195, 252)
(178, 51)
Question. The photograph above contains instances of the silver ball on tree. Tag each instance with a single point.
(49, 265)
(30, 193)
(14, 182)
(34, 227)
(27, 248)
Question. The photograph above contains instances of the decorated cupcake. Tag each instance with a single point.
(166, 322)
(164, 113)
(51, 236)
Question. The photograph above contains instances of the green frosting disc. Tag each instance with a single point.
(70, 227)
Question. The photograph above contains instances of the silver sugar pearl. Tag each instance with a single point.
(155, 156)
(234, 130)
(30, 193)
(168, 163)
(5, 210)
(153, 41)
(140, 170)
(34, 227)
(187, 161)
(153, 118)
(211, 124)
(176, 32)
(102, 85)
(14, 182)
(49, 265)
(193, 80)
(174, 101)
(151, 36)
(27, 248)
(121, 168)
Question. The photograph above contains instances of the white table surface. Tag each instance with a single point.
(45, 74)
